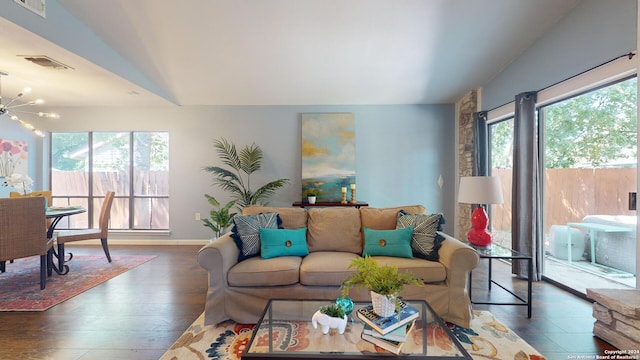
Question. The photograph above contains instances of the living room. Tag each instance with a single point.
(429, 128)
(415, 141)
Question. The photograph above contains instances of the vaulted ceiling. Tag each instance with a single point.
(268, 52)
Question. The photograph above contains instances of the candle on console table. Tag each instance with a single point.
(353, 186)
(344, 189)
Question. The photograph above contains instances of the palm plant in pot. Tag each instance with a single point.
(237, 180)
(384, 282)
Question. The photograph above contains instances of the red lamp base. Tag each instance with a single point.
(478, 235)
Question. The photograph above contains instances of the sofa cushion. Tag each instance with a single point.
(326, 268)
(283, 242)
(270, 272)
(428, 271)
(245, 232)
(334, 229)
(425, 241)
(388, 242)
(292, 218)
(386, 218)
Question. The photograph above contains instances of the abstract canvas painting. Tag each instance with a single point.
(328, 154)
(13, 157)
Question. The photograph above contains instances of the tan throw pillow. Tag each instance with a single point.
(386, 218)
(334, 229)
(292, 218)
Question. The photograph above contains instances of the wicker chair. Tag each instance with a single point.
(19, 238)
(101, 233)
(45, 193)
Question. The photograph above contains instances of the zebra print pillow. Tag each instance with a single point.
(246, 232)
(425, 242)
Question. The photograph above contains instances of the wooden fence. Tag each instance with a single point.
(572, 194)
(71, 188)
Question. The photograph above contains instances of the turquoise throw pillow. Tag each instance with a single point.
(283, 242)
(396, 243)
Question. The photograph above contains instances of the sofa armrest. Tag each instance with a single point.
(217, 258)
(459, 259)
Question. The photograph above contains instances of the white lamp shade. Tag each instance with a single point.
(480, 190)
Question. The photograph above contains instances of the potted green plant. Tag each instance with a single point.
(384, 282)
(330, 317)
(312, 195)
(237, 180)
(220, 216)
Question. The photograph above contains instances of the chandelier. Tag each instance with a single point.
(14, 105)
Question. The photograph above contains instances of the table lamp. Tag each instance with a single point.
(480, 190)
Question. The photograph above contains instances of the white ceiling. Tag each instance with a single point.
(281, 52)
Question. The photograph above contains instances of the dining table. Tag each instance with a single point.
(55, 214)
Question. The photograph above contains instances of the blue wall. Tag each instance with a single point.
(401, 150)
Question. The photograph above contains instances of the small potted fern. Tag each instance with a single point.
(330, 317)
(312, 195)
(384, 282)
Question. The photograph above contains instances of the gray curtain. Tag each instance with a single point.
(480, 143)
(526, 202)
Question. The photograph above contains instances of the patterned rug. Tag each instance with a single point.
(486, 339)
(20, 283)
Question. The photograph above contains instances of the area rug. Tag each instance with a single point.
(486, 339)
(20, 284)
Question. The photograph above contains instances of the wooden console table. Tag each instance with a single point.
(357, 204)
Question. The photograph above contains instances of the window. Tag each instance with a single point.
(588, 145)
(84, 166)
(500, 138)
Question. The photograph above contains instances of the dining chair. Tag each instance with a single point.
(45, 193)
(66, 236)
(19, 238)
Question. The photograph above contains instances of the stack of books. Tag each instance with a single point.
(389, 333)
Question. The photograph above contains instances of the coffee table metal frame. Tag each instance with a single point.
(267, 319)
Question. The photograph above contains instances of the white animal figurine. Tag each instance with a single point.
(327, 322)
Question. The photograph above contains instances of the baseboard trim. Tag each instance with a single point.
(145, 242)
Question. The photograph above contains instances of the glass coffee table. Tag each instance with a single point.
(285, 331)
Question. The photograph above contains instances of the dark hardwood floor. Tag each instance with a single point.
(136, 315)
(561, 323)
(139, 314)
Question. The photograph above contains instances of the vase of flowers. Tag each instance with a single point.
(22, 183)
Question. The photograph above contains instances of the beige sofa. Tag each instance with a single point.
(240, 290)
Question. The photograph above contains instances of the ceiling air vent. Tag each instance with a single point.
(46, 61)
(37, 6)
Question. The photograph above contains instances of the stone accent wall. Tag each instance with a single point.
(617, 314)
(468, 105)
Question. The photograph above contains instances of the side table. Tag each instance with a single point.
(592, 227)
(495, 251)
(357, 204)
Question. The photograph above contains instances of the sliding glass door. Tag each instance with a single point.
(590, 156)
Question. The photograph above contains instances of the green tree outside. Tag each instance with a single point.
(595, 129)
